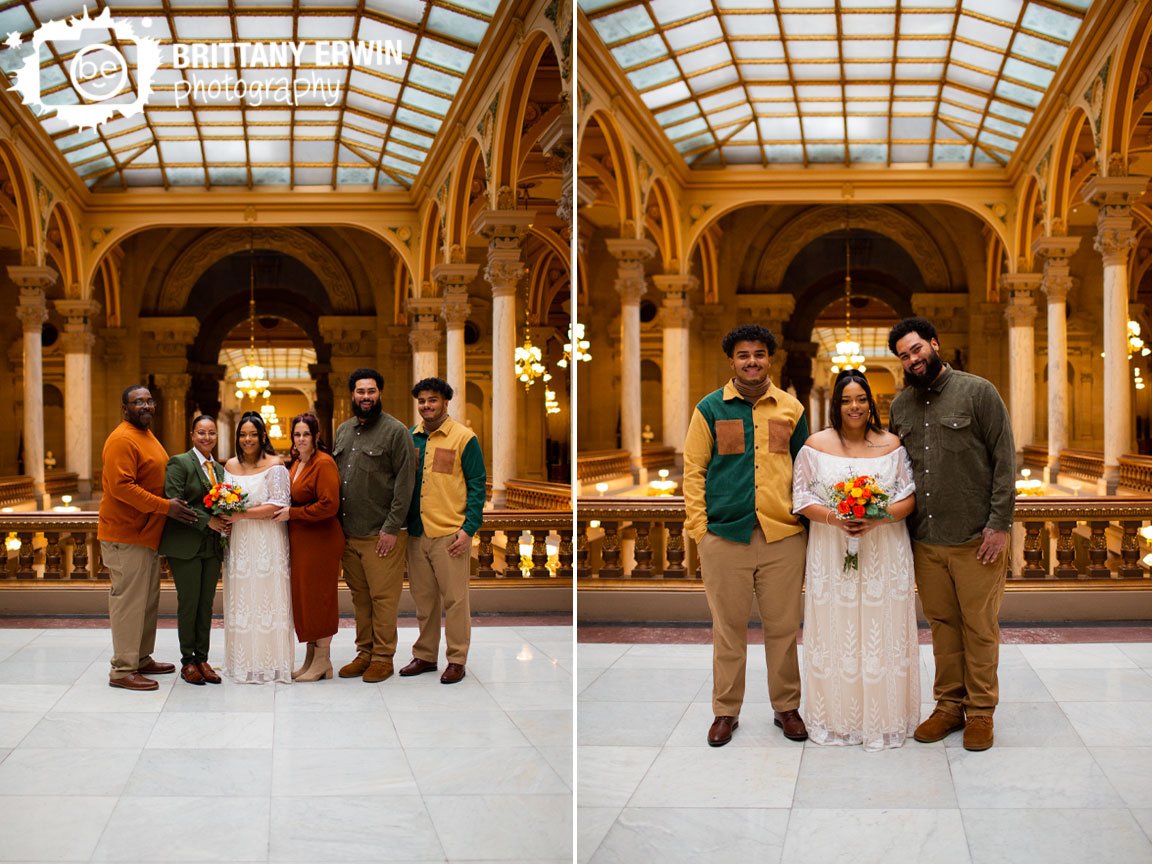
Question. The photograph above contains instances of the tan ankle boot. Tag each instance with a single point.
(321, 665)
(307, 661)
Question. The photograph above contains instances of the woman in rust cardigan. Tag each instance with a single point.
(317, 544)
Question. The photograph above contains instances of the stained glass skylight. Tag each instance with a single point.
(336, 93)
(737, 82)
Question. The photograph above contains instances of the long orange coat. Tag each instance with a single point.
(317, 544)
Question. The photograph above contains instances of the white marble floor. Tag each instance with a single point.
(1069, 779)
(335, 771)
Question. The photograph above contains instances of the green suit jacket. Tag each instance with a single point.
(184, 478)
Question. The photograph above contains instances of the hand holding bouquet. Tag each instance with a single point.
(225, 499)
(856, 499)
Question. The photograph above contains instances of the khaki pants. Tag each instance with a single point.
(375, 584)
(961, 599)
(772, 574)
(439, 585)
(133, 602)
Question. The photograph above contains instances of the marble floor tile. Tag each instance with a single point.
(15, 725)
(52, 827)
(1028, 724)
(1060, 836)
(592, 825)
(600, 653)
(31, 698)
(92, 693)
(1021, 684)
(239, 830)
(671, 657)
(562, 761)
(335, 730)
(721, 777)
(513, 696)
(1076, 656)
(492, 826)
(18, 636)
(189, 698)
(545, 727)
(493, 771)
(1098, 685)
(1030, 777)
(694, 836)
(586, 675)
(645, 685)
(394, 828)
(201, 773)
(76, 771)
(1129, 770)
(511, 669)
(1110, 724)
(911, 777)
(63, 652)
(641, 724)
(1143, 815)
(608, 776)
(341, 773)
(756, 728)
(457, 729)
(1140, 652)
(42, 671)
(212, 729)
(561, 650)
(352, 694)
(425, 693)
(866, 836)
(94, 730)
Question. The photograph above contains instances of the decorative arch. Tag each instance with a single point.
(108, 273)
(1062, 183)
(662, 220)
(507, 141)
(62, 243)
(1120, 110)
(622, 180)
(458, 206)
(709, 267)
(23, 205)
(1031, 220)
(429, 248)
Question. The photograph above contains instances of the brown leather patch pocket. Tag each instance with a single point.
(779, 435)
(443, 460)
(729, 437)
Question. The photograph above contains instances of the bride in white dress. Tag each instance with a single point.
(861, 654)
(258, 642)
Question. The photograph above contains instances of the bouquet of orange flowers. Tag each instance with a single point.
(858, 498)
(224, 499)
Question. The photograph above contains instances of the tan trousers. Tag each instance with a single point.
(961, 599)
(439, 585)
(133, 601)
(772, 574)
(375, 584)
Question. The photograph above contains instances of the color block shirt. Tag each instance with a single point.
(959, 436)
(132, 509)
(450, 481)
(377, 473)
(738, 465)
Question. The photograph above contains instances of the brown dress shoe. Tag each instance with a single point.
(357, 667)
(720, 733)
(792, 725)
(209, 673)
(939, 725)
(134, 682)
(978, 732)
(378, 670)
(190, 672)
(417, 667)
(453, 673)
(154, 668)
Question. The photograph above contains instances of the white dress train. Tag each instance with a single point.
(861, 654)
(258, 639)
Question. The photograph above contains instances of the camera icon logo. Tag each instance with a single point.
(97, 69)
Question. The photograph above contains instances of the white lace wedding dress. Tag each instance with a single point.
(861, 656)
(258, 639)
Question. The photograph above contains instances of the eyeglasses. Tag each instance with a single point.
(141, 403)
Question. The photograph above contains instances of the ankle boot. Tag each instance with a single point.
(321, 665)
(307, 661)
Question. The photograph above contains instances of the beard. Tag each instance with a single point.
(932, 369)
(371, 414)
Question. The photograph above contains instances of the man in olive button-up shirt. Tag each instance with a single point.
(959, 437)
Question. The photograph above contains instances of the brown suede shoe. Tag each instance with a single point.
(417, 667)
(939, 725)
(190, 672)
(154, 668)
(134, 682)
(357, 667)
(377, 671)
(453, 673)
(209, 673)
(978, 732)
(792, 725)
(720, 733)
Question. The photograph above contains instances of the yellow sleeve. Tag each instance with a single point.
(697, 455)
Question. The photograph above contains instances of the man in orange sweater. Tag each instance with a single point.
(132, 514)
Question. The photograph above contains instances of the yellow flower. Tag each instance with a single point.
(856, 493)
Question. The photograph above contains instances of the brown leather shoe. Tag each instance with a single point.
(453, 673)
(417, 667)
(978, 732)
(209, 673)
(190, 672)
(134, 682)
(154, 668)
(378, 670)
(792, 724)
(357, 667)
(720, 733)
(939, 725)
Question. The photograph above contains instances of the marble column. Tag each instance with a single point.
(166, 341)
(424, 337)
(454, 280)
(173, 397)
(504, 230)
(78, 340)
(1115, 237)
(33, 312)
(630, 285)
(817, 419)
(1056, 284)
(675, 316)
(352, 338)
(1019, 289)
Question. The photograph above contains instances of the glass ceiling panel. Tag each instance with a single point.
(389, 69)
(901, 82)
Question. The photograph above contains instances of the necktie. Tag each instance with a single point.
(211, 473)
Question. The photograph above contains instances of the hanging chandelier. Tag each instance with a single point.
(848, 353)
(575, 349)
(271, 420)
(551, 406)
(529, 358)
(253, 380)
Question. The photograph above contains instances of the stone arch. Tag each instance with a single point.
(458, 207)
(1120, 114)
(662, 220)
(65, 250)
(23, 209)
(1029, 223)
(1062, 184)
(509, 132)
(622, 179)
(298, 244)
(429, 248)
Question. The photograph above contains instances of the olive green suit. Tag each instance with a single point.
(194, 553)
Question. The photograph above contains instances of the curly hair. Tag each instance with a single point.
(435, 385)
(749, 333)
(922, 327)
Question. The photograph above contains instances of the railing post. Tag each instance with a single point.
(52, 569)
(80, 555)
(485, 555)
(1098, 552)
(539, 554)
(643, 553)
(27, 556)
(567, 562)
(1033, 554)
(675, 551)
(583, 571)
(611, 568)
(1065, 551)
(1130, 551)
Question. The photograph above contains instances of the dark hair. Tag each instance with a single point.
(436, 385)
(749, 333)
(200, 417)
(309, 420)
(922, 327)
(256, 420)
(129, 389)
(360, 374)
(853, 376)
